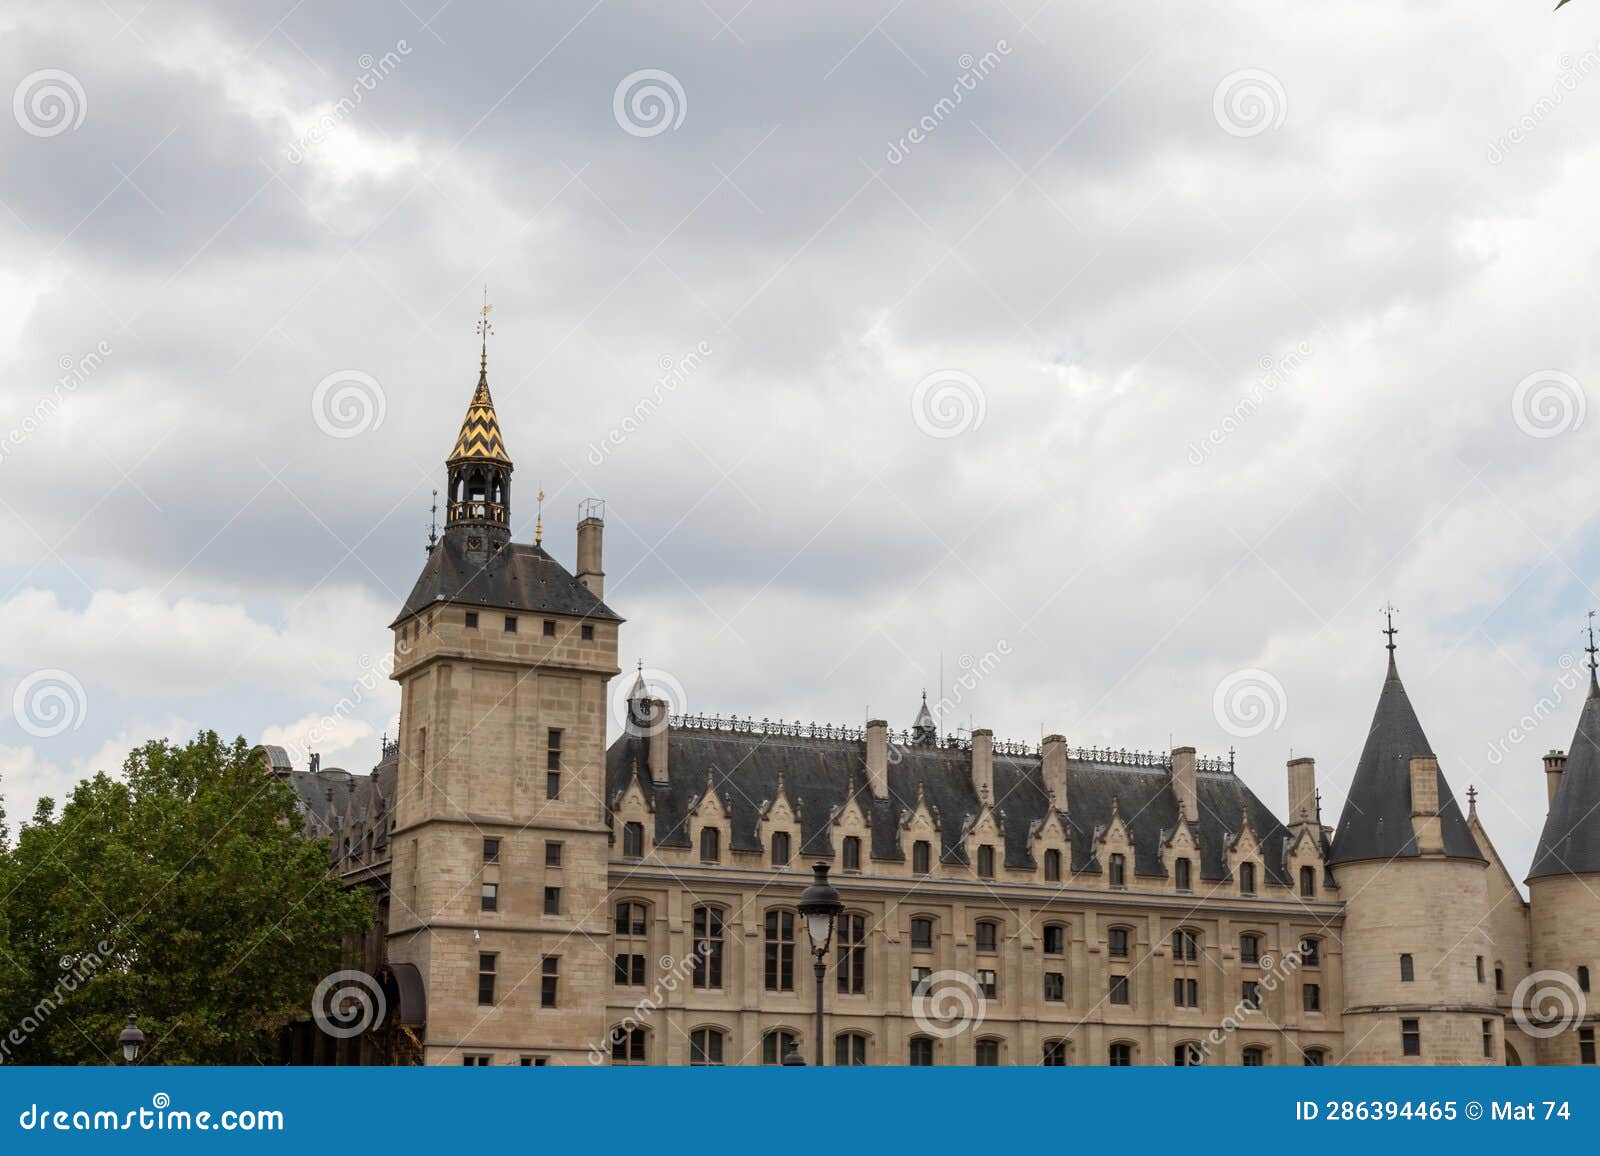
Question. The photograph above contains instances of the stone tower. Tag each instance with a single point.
(501, 838)
(1418, 988)
(1564, 890)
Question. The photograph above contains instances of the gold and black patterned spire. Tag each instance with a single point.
(479, 467)
(479, 439)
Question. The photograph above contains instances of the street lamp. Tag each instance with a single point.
(131, 1039)
(819, 905)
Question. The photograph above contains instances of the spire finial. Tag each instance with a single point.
(538, 521)
(484, 329)
(1390, 628)
(1594, 685)
(433, 521)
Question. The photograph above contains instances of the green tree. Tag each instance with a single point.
(183, 890)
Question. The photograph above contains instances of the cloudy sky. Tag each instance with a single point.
(1137, 354)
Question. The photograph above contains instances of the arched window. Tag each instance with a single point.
(849, 1050)
(921, 1052)
(705, 1048)
(628, 1045)
(633, 840)
(1408, 967)
(778, 961)
(1255, 1057)
(708, 944)
(776, 1044)
(1250, 948)
(1247, 878)
(1055, 939)
(921, 856)
(1185, 946)
(1188, 1055)
(1052, 866)
(1180, 875)
(986, 862)
(1118, 871)
(1120, 1056)
(1308, 882)
(1314, 1058)
(710, 845)
(987, 936)
(1583, 977)
(851, 962)
(630, 946)
(1310, 952)
(1055, 1054)
(987, 1053)
(780, 848)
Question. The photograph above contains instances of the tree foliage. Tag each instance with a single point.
(182, 890)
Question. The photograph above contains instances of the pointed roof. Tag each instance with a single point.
(1570, 841)
(924, 725)
(1376, 823)
(479, 439)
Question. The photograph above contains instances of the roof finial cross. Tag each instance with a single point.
(1391, 629)
(1591, 647)
(484, 329)
(538, 521)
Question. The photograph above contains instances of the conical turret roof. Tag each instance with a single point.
(1570, 841)
(479, 439)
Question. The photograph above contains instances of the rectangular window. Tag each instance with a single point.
(549, 628)
(1488, 1038)
(552, 901)
(780, 848)
(474, 1061)
(511, 624)
(921, 856)
(1249, 949)
(1117, 871)
(552, 763)
(710, 845)
(549, 977)
(1119, 989)
(491, 850)
(1411, 1037)
(1481, 976)
(1585, 1045)
(986, 936)
(586, 632)
(1583, 977)
(629, 969)
(986, 862)
(472, 620)
(633, 840)
(922, 935)
(1055, 987)
(920, 979)
(552, 784)
(987, 983)
(491, 897)
(1310, 997)
(552, 854)
(1250, 997)
(852, 853)
(486, 966)
(1055, 939)
(1499, 979)
(778, 961)
(1117, 943)
(1186, 993)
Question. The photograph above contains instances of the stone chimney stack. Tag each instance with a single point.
(878, 758)
(1554, 763)
(1184, 785)
(983, 764)
(1425, 804)
(1302, 791)
(656, 712)
(591, 530)
(1053, 762)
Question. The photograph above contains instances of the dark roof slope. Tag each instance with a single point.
(819, 775)
(518, 577)
(1570, 841)
(1376, 823)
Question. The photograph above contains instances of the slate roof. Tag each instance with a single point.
(1376, 823)
(820, 775)
(517, 577)
(1570, 841)
(333, 801)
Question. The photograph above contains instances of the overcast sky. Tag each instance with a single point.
(1147, 349)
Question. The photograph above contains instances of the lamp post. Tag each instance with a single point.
(819, 906)
(131, 1040)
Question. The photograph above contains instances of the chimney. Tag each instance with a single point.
(983, 765)
(1302, 791)
(656, 711)
(878, 758)
(1554, 763)
(1425, 804)
(591, 528)
(1183, 784)
(1053, 763)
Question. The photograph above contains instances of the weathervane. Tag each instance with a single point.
(433, 521)
(1591, 647)
(538, 521)
(1391, 630)
(484, 329)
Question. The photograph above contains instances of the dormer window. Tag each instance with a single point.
(1181, 875)
(1117, 871)
(986, 862)
(852, 853)
(1247, 878)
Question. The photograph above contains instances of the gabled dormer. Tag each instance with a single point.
(709, 823)
(1180, 855)
(1246, 863)
(1050, 841)
(778, 828)
(919, 835)
(1113, 849)
(851, 834)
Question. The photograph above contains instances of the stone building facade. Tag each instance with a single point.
(545, 898)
